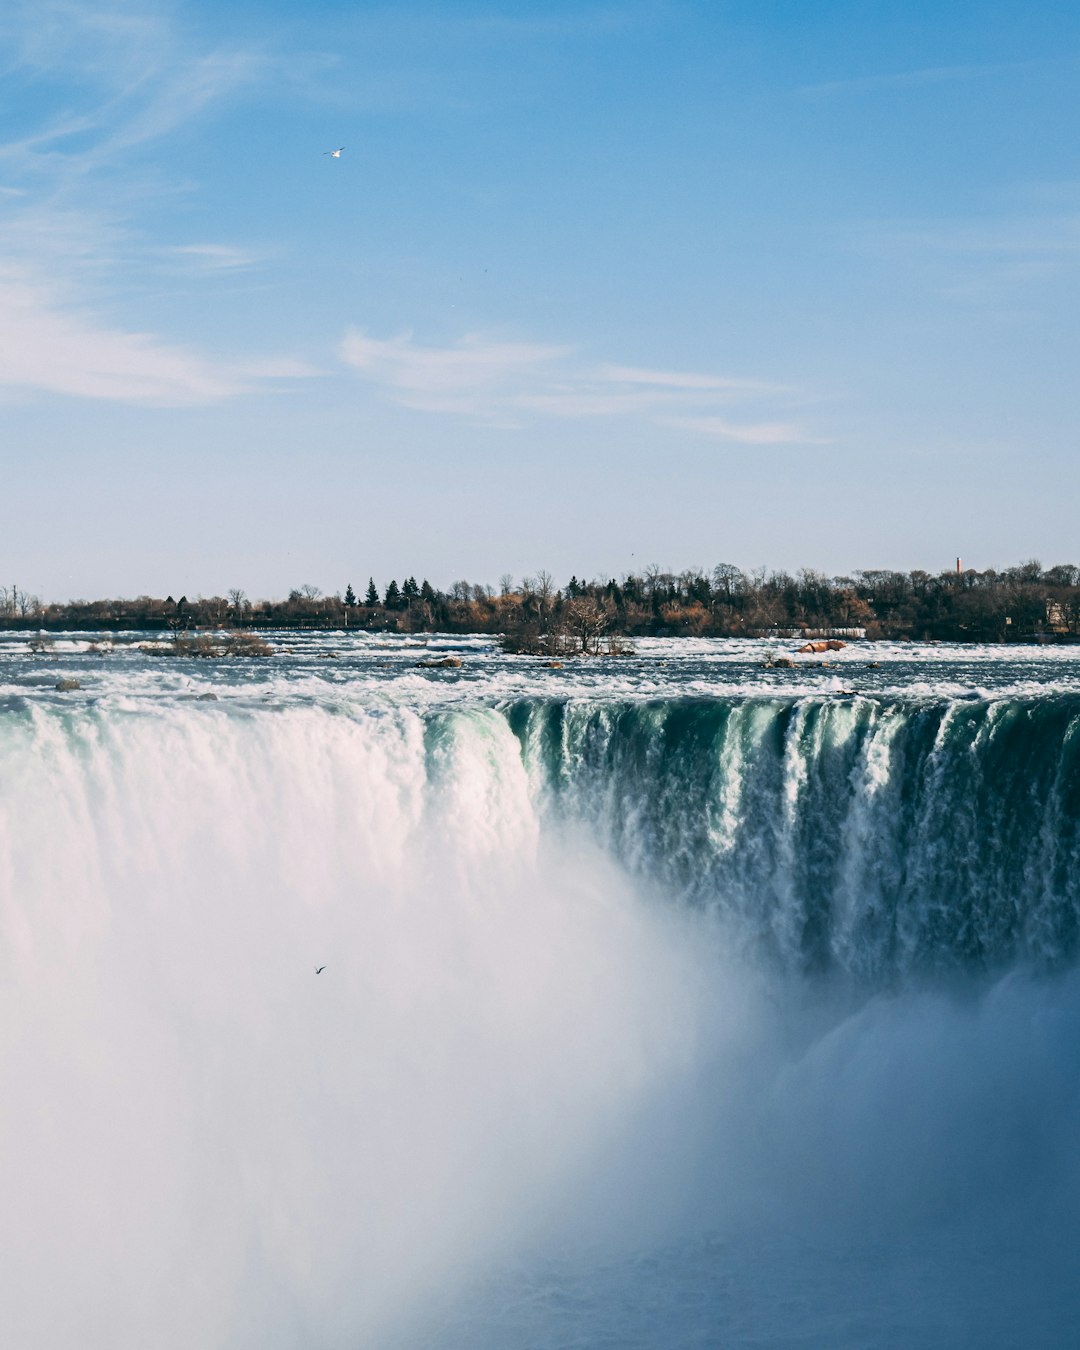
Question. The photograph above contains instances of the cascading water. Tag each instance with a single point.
(874, 835)
(656, 1015)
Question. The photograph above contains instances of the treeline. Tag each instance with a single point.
(533, 614)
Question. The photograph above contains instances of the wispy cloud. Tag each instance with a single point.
(49, 346)
(1046, 236)
(109, 44)
(171, 90)
(582, 21)
(184, 94)
(469, 366)
(508, 384)
(74, 187)
(998, 260)
(681, 379)
(216, 257)
(752, 433)
(913, 79)
(131, 75)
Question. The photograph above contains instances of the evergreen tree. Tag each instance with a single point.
(410, 590)
(393, 596)
(372, 597)
(350, 595)
(427, 591)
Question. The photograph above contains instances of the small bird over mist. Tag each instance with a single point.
(319, 970)
(334, 154)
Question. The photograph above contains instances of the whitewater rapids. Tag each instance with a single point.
(678, 1006)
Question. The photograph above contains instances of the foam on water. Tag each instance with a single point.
(382, 668)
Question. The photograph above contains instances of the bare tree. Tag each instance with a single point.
(727, 578)
(310, 592)
(1064, 574)
(545, 590)
(586, 618)
(18, 603)
(693, 583)
(506, 584)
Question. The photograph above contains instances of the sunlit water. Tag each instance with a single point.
(670, 999)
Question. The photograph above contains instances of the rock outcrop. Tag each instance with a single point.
(824, 645)
(440, 663)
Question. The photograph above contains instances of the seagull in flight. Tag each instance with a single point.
(319, 970)
(334, 154)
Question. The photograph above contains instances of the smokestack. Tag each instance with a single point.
(959, 569)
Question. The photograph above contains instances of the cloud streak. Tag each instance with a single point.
(74, 186)
(914, 79)
(1050, 236)
(758, 433)
(49, 347)
(510, 384)
(993, 260)
(216, 257)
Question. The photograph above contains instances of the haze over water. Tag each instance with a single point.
(669, 1000)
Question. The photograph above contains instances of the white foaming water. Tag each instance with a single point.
(204, 1142)
(383, 669)
(532, 1100)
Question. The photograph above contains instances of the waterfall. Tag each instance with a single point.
(602, 978)
(876, 836)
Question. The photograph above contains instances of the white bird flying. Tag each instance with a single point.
(334, 154)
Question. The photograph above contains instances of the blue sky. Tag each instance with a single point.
(590, 287)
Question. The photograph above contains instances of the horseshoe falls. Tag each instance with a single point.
(668, 1001)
